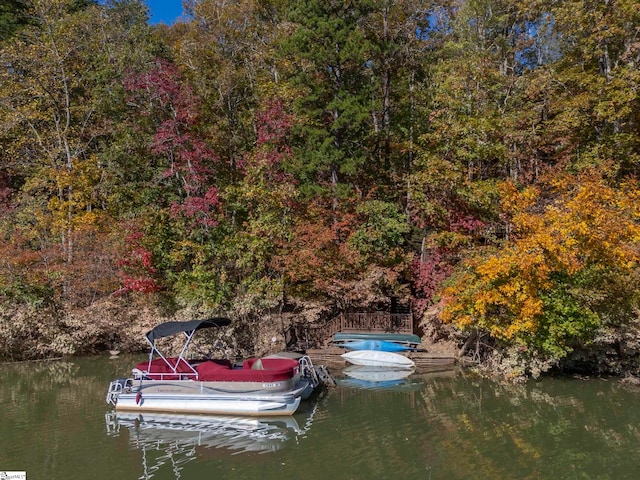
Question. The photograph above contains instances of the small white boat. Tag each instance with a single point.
(378, 358)
(257, 387)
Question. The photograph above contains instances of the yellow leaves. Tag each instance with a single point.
(530, 308)
(590, 222)
(515, 201)
(588, 225)
(493, 268)
(489, 293)
(72, 206)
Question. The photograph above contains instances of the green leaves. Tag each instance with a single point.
(13, 16)
(381, 234)
(328, 56)
(567, 323)
(588, 97)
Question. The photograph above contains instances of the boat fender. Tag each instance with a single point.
(139, 398)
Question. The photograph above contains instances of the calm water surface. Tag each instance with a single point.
(439, 425)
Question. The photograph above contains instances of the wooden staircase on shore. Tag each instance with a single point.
(306, 336)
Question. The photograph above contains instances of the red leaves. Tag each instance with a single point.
(463, 223)
(427, 274)
(201, 209)
(273, 147)
(274, 125)
(162, 94)
(137, 268)
(136, 284)
(161, 87)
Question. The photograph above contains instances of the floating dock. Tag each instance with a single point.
(330, 356)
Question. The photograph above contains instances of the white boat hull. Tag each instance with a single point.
(212, 406)
(378, 358)
(149, 397)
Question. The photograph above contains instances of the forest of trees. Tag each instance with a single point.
(479, 158)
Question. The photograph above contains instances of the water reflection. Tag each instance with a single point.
(240, 434)
(374, 378)
(449, 424)
(168, 441)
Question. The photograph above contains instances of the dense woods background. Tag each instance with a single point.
(477, 158)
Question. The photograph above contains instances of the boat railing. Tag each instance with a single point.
(165, 368)
(379, 322)
(308, 370)
(144, 375)
(116, 387)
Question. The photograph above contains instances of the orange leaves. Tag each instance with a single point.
(493, 268)
(587, 226)
(329, 254)
(495, 297)
(517, 201)
(589, 222)
(600, 224)
(318, 253)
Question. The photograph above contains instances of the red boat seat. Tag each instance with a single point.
(210, 369)
(274, 369)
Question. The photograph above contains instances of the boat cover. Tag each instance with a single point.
(382, 345)
(389, 337)
(171, 328)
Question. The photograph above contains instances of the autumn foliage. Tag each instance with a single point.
(476, 159)
(550, 287)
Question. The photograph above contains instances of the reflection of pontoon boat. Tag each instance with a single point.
(241, 434)
(169, 440)
(258, 387)
(377, 358)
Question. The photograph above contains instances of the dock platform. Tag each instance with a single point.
(330, 356)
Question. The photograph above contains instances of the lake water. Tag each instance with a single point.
(55, 425)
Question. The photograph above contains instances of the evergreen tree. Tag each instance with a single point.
(329, 68)
(13, 16)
